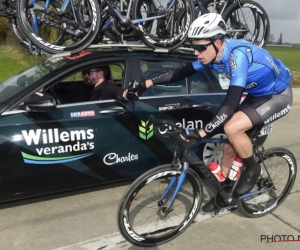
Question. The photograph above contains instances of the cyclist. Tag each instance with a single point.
(250, 69)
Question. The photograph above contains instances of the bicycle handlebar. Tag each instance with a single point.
(165, 128)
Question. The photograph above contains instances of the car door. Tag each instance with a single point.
(77, 144)
(191, 103)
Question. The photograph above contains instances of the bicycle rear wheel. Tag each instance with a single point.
(141, 219)
(251, 21)
(167, 32)
(280, 174)
(55, 31)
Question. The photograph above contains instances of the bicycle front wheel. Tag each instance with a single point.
(55, 30)
(169, 31)
(279, 170)
(141, 217)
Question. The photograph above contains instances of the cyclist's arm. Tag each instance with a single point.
(176, 75)
(239, 65)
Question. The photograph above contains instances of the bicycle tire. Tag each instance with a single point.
(255, 7)
(17, 33)
(288, 157)
(53, 48)
(158, 173)
(163, 42)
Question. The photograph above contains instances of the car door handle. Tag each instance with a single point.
(203, 105)
(115, 110)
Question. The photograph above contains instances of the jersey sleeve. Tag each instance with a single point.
(199, 66)
(239, 64)
(175, 75)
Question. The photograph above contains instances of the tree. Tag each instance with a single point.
(271, 38)
(280, 39)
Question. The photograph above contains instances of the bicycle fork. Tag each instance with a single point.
(168, 208)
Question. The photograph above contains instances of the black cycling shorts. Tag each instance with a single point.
(266, 109)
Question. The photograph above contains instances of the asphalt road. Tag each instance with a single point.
(86, 219)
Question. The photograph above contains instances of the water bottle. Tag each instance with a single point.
(217, 171)
(236, 168)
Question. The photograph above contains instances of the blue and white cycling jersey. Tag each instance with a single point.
(250, 67)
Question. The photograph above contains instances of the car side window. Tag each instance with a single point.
(150, 69)
(72, 89)
(223, 80)
(198, 83)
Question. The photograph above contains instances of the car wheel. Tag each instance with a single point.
(212, 151)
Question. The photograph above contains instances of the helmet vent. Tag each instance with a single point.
(200, 30)
(195, 31)
(207, 22)
(222, 25)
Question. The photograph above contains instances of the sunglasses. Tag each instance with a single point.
(88, 72)
(200, 47)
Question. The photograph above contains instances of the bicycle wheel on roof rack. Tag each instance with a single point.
(248, 21)
(55, 30)
(167, 32)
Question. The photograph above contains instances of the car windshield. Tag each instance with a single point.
(22, 80)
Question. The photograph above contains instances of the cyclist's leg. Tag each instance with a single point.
(228, 151)
(263, 110)
(227, 158)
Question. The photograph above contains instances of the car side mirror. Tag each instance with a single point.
(40, 102)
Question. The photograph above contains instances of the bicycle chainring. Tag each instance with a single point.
(121, 27)
(161, 30)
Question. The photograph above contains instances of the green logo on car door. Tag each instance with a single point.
(145, 130)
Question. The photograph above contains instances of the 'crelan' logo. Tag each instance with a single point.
(74, 141)
(145, 130)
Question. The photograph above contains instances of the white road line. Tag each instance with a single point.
(111, 241)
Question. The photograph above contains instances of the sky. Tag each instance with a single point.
(284, 16)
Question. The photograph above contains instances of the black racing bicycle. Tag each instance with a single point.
(162, 203)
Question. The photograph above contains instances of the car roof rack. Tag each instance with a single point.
(129, 46)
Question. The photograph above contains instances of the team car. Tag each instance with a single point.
(64, 141)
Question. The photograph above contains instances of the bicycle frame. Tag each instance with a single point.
(127, 20)
(228, 197)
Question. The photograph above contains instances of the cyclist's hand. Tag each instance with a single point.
(138, 85)
(131, 94)
(190, 138)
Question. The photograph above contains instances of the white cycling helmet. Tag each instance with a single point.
(207, 26)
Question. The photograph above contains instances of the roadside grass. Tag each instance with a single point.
(290, 56)
(13, 59)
